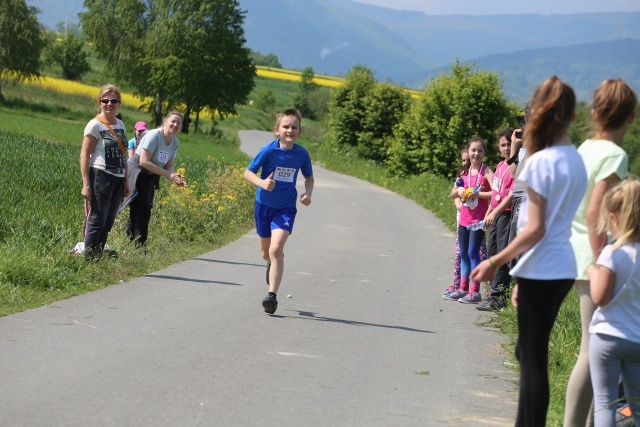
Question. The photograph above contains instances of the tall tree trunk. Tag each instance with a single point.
(186, 121)
(158, 112)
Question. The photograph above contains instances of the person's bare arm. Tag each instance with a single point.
(531, 234)
(598, 240)
(89, 143)
(167, 171)
(602, 282)
(305, 198)
(267, 184)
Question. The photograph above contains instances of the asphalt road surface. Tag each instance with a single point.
(365, 339)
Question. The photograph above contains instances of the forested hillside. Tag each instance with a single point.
(583, 66)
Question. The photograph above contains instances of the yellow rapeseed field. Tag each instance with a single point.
(77, 88)
(295, 76)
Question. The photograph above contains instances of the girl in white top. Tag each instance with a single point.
(554, 179)
(614, 347)
(613, 109)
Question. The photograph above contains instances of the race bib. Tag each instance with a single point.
(496, 183)
(284, 174)
(163, 156)
(472, 202)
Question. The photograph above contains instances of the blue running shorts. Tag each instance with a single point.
(268, 218)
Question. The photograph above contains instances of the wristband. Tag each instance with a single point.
(491, 263)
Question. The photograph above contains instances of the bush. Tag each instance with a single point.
(265, 101)
(70, 56)
(363, 114)
(453, 108)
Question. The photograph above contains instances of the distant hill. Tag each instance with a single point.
(405, 47)
(441, 39)
(583, 66)
(321, 34)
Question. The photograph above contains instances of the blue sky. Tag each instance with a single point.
(502, 7)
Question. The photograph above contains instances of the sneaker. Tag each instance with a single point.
(471, 298)
(450, 289)
(455, 295)
(110, 253)
(268, 269)
(491, 304)
(270, 304)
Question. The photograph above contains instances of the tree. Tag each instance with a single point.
(385, 107)
(304, 89)
(21, 42)
(188, 55)
(454, 107)
(265, 100)
(363, 114)
(269, 60)
(347, 109)
(319, 102)
(70, 56)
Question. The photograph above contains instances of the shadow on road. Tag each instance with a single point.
(308, 315)
(186, 279)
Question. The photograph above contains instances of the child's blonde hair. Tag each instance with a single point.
(623, 199)
(290, 112)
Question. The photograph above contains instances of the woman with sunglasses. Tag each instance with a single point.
(154, 158)
(103, 165)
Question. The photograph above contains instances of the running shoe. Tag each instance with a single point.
(450, 289)
(491, 304)
(455, 295)
(270, 304)
(471, 298)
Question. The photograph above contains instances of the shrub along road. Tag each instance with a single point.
(365, 340)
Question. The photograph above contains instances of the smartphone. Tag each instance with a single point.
(521, 123)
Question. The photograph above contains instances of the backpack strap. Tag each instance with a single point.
(106, 123)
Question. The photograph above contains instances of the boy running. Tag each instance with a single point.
(275, 208)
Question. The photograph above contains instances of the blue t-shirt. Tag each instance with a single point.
(285, 164)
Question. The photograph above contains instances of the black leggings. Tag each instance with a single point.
(140, 208)
(538, 305)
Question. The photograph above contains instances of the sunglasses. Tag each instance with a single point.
(110, 100)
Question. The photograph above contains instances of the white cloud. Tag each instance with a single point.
(326, 51)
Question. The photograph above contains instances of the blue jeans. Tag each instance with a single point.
(470, 242)
(609, 357)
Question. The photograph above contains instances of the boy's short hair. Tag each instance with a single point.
(506, 132)
(289, 112)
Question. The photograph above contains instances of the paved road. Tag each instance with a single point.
(365, 340)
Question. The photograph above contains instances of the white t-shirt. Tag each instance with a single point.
(621, 317)
(108, 154)
(556, 173)
(154, 142)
